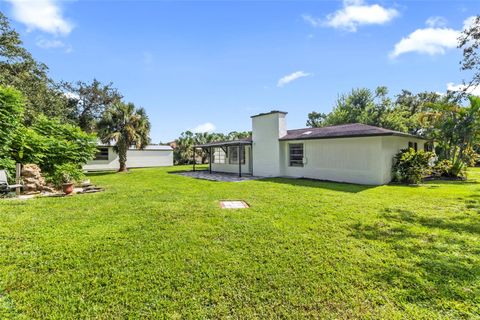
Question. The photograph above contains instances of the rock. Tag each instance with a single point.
(29, 187)
(33, 181)
(85, 183)
(31, 192)
(48, 189)
(77, 190)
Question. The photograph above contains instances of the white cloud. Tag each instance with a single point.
(204, 127)
(431, 40)
(45, 15)
(354, 13)
(53, 44)
(427, 41)
(473, 90)
(292, 77)
(314, 22)
(71, 95)
(468, 22)
(435, 22)
(48, 44)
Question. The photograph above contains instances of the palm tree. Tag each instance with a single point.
(126, 126)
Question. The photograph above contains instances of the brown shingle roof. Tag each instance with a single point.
(342, 131)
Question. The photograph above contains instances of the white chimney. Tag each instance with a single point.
(267, 128)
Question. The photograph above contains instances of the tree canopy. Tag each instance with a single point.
(375, 108)
(18, 69)
(88, 101)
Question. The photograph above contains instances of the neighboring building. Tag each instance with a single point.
(151, 156)
(354, 153)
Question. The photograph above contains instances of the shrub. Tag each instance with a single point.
(8, 165)
(442, 168)
(410, 166)
(66, 173)
(447, 168)
(470, 156)
(62, 143)
(459, 169)
(47, 143)
(11, 113)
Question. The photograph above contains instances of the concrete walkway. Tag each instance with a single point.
(217, 176)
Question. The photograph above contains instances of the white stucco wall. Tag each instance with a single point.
(362, 160)
(354, 160)
(233, 168)
(266, 130)
(391, 145)
(135, 159)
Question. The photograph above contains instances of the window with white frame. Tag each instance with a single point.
(219, 156)
(233, 155)
(295, 151)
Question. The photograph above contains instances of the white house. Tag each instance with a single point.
(354, 153)
(151, 156)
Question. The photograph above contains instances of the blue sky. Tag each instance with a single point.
(211, 65)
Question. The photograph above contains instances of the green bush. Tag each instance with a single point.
(66, 173)
(447, 168)
(411, 167)
(62, 143)
(47, 142)
(459, 169)
(470, 156)
(11, 113)
(8, 165)
(442, 168)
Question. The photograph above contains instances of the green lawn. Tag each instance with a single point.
(157, 245)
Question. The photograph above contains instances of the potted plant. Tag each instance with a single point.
(66, 175)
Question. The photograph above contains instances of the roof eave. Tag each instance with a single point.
(222, 144)
(399, 134)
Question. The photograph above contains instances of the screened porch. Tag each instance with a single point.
(228, 156)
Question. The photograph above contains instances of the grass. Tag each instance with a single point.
(157, 245)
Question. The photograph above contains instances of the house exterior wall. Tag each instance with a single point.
(362, 160)
(135, 159)
(391, 145)
(266, 130)
(354, 160)
(233, 168)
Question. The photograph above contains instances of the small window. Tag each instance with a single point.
(233, 155)
(428, 146)
(102, 154)
(219, 156)
(296, 155)
(413, 145)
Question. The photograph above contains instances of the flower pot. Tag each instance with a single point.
(67, 188)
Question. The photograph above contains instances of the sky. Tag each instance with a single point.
(210, 65)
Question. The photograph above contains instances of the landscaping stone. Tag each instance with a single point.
(33, 181)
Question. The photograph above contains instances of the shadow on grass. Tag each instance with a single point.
(320, 184)
(450, 182)
(186, 170)
(100, 173)
(428, 265)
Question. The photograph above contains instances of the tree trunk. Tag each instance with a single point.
(122, 157)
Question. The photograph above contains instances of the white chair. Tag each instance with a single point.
(4, 186)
